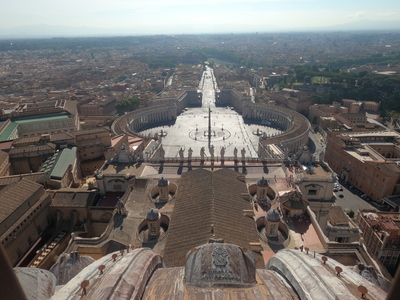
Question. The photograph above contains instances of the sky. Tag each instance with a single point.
(189, 16)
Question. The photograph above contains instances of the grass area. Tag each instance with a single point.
(221, 62)
(319, 80)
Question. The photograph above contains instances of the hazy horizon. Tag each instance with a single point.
(148, 17)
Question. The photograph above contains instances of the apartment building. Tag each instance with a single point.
(366, 160)
(381, 234)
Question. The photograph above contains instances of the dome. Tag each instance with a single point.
(163, 182)
(68, 265)
(219, 264)
(262, 182)
(153, 215)
(273, 215)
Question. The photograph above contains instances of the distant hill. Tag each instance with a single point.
(365, 25)
(47, 31)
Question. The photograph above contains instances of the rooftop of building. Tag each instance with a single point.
(16, 194)
(316, 170)
(5, 135)
(391, 219)
(361, 157)
(31, 148)
(205, 209)
(91, 131)
(58, 164)
(73, 198)
(42, 119)
(337, 216)
(35, 177)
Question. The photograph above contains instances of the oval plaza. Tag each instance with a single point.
(211, 124)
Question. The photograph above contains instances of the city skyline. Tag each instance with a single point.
(122, 17)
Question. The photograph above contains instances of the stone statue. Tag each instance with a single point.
(235, 152)
(202, 153)
(286, 152)
(211, 149)
(190, 152)
(322, 156)
(181, 154)
(162, 152)
(222, 153)
(243, 151)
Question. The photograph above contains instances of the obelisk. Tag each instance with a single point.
(209, 122)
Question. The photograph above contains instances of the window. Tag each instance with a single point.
(341, 239)
(312, 192)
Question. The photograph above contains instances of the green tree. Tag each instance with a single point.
(127, 105)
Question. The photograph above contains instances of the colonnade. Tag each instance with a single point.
(266, 113)
(296, 126)
(148, 117)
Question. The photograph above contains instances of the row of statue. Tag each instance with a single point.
(181, 153)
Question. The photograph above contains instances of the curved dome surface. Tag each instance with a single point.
(218, 264)
(273, 215)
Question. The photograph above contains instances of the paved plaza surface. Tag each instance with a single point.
(351, 201)
(228, 129)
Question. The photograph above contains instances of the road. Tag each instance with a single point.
(351, 201)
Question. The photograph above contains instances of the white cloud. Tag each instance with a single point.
(357, 15)
(388, 14)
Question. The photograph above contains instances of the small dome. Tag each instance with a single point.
(163, 182)
(153, 215)
(273, 215)
(262, 182)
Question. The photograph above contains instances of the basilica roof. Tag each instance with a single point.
(217, 271)
(208, 205)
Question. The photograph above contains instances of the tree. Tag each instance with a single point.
(127, 105)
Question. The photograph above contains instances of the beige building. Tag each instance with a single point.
(76, 211)
(97, 108)
(381, 234)
(293, 99)
(4, 163)
(24, 210)
(366, 161)
(340, 227)
(29, 159)
(62, 170)
(316, 183)
(92, 146)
